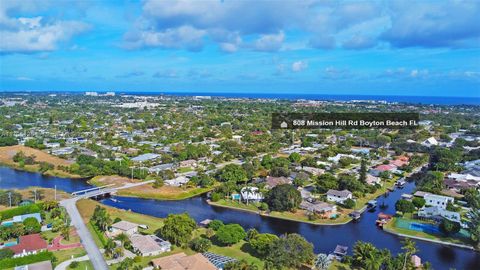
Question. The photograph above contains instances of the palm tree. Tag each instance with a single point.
(321, 262)
(65, 232)
(118, 252)
(410, 248)
(248, 190)
(109, 247)
(364, 254)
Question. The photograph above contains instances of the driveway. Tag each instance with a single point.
(93, 252)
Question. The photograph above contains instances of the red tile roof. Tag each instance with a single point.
(31, 242)
(384, 167)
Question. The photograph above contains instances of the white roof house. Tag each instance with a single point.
(430, 142)
(145, 157)
(251, 194)
(437, 200)
(339, 196)
(176, 182)
(149, 245)
(436, 212)
(126, 227)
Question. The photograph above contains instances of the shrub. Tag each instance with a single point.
(73, 264)
(230, 234)
(349, 203)
(200, 244)
(39, 257)
(21, 210)
(216, 196)
(215, 224)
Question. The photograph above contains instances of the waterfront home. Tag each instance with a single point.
(146, 157)
(28, 244)
(180, 261)
(251, 194)
(434, 200)
(177, 182)
(272, 181)
(45, 265)
(400, 161)
(438, 213)
(324, 209)
(339, 196)
(126, 227)
(149, 245)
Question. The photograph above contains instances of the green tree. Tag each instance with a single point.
(230, 234)
(233, 172)
(240, 265)
(363, 171)
(321, 262)
(325, 182)
(101, 218)
(32, 225)
(283, 198)
(262, 243)
(474, 226)
(449, 227)
(295, 157)
(418, 202)
(290, 251)
(404, 206)
(200, 244)
(215, 224)
(178, 228)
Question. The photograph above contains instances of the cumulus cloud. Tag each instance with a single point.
(33, 34)
(434, 24)
(298, 66)
(131, 74)
(236, 25)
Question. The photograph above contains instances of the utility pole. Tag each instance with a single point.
(10, 198)
(132, 173)
(55, 193)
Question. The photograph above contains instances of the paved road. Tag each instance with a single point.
(93, 252)
(64, 265)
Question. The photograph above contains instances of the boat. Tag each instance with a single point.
(382, 219)
(355, 215)
(400, 183)
(113, 200)
(372, 203)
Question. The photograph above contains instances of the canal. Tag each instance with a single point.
(324, 238)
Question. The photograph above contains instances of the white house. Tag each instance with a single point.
(125, 227)
(251, 194)
(435, 212)
(437, 200)
(149, 245)
(430, 142)
(338, 196)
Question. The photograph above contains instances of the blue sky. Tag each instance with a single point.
(418, 48)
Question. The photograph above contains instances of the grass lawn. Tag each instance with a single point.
(63, 255)
(148, 191)
(184, 170)
(299, 215)
(237, 251)
(392, 226)
(85, 265)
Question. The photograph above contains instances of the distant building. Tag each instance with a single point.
(339, 196)
(272, 182)
(434, 200)
(93, 94)
(110, 94)
(430, 142)
(146, 157)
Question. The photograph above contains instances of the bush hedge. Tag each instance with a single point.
(39, 257)
(21, 210)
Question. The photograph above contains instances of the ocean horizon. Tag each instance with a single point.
(439, 100)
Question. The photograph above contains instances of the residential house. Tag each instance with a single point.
(146, 157)
(188, 163)
(251, 194)
(149, 245)
(126, 227)
(322, 208)
(339, 196)
(177, 182)
(180, 261)
(272, 181)
(373, 180)
(430, 142)
(434, 200)
(437, 213)
(157, 169)
(382, 168)
(311, 170)
(28, 244)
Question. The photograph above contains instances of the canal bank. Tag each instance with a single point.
(324, 238)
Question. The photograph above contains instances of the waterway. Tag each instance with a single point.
(324, 238)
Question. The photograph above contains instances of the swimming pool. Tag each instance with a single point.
(427, 228)
(7, 223)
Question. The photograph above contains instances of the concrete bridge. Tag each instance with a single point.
(94, 254)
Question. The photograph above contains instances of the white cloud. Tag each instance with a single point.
(36, 33)
(269, 43)
(299, 66)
